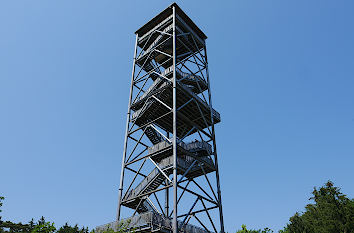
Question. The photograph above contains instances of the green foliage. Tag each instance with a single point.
(109, 230)
(15, 227)
(332, 212)
(244, 230)
(123, 226)
(40, 227)
(1, 199)
(69, 229)
(46, 227)
(285, 230)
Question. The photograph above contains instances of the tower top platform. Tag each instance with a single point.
(166, 13)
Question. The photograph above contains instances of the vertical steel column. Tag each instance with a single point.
(167, 193)
(214, 145)
(174, 223)
(167, 199)
(120, 192)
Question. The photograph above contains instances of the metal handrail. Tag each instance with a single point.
(151, 220)
(167, 163)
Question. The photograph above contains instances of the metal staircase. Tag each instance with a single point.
(150, 105)
(153, 135)
(157, 176)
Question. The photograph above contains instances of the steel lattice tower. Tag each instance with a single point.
(170, 175)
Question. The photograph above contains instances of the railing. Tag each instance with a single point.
(149, 90)
(162, 145)
(197, 146)
(197, 98)
(192, 146)
(143, 108)
(152, 175)
(151, 221)
(143, 37)
(152, 134)
(166, 163)
(215, 113)
(166, 73)
(153, 44)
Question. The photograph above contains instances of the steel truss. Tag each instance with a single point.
(170, 164)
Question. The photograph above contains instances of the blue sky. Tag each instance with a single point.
(282, 75)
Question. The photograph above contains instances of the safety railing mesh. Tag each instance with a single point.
(192, 146)
(149, 221)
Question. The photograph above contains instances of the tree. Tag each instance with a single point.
(1, 222)
(331, 212)
(46, 227)
(123, 227)
(244, 230)
(40, 227)
(69, 229)
(15, 227)
(1, 199)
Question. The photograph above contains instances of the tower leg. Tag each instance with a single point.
(214, 146)
(120, 191)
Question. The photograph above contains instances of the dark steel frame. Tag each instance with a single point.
(134, 136)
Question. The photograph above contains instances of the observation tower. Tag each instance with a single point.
(169, 174)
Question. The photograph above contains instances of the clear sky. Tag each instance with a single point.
(282, 76)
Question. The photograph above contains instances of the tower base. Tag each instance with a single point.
(149, 222)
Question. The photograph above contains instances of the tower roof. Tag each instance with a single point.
(163, 15)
